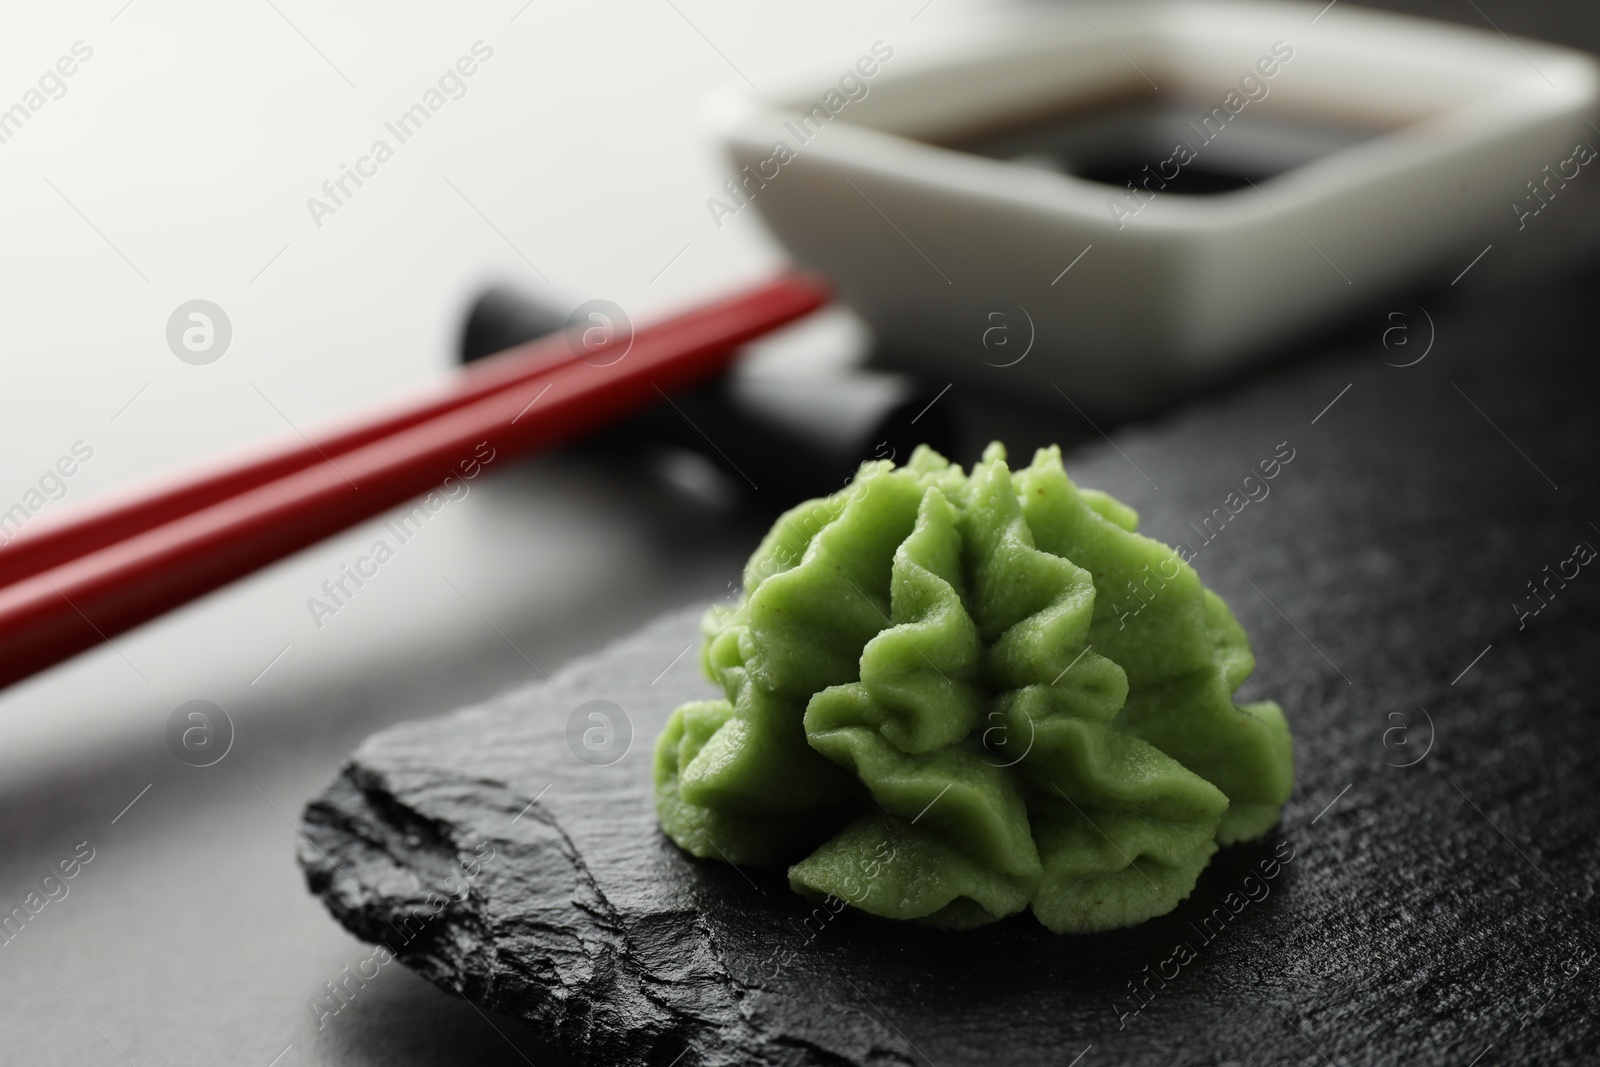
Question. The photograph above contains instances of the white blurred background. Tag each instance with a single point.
(177, 165)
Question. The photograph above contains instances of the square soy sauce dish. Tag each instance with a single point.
(1119, 201)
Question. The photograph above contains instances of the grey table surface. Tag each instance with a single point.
(176, 164)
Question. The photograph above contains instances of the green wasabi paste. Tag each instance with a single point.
(950, 697)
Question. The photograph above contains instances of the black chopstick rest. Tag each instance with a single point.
(781, 438)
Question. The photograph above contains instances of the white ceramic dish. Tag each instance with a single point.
(960, 261)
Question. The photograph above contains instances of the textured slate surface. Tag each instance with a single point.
(1431, 913)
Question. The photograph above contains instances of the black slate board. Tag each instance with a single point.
(1431, 913)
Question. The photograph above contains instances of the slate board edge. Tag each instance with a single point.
(356, 808)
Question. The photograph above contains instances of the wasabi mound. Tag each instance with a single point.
(953, 696)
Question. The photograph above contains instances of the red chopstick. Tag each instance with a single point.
(40, 547)
(99, 580)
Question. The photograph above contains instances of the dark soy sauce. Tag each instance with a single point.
(1172, 145)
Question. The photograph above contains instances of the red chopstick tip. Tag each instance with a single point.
(115, 567)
